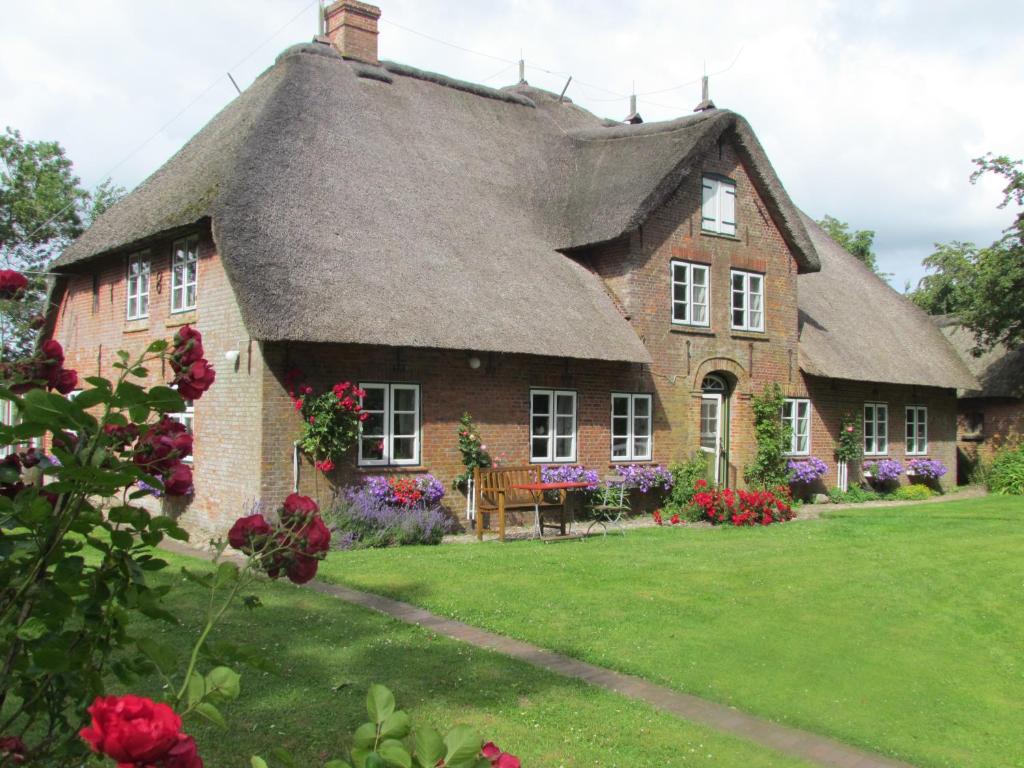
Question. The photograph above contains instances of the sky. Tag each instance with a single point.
(870, 110)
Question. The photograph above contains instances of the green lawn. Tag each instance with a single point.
(897, 629)
(328, 652)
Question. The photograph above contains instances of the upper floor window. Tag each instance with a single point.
(138, 286)
(917, 429)
(631, 427)
(690, 283)
(876, 429)
(718, 207)
(552, 425)
(184, 274)
(796, 414)
(747, 301)
(391, 432)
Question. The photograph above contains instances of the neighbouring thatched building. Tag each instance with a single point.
(990, 415)
(591, 292)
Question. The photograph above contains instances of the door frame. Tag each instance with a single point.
(718, 393)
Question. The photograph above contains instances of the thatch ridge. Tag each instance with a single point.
(999, 370)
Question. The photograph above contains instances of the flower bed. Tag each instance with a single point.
(742, 508)
(406, 491)
(389, 512)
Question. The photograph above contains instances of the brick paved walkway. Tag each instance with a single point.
(815, 749)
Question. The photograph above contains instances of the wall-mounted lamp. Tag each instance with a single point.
(231, 356)
(474, 362)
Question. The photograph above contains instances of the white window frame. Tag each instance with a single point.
(879, 445)
(916, 431)
(552, 436)
(688, 305)
(718, 205)
(631, 433)
(184, 252)
(388, 422)
(187, 417)
(794, 420)
(137, 286)
(747, 292)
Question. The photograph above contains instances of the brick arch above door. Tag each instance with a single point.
(740, 377)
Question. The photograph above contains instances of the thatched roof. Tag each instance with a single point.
(384, 205)
(1000, 370)
(853, 325)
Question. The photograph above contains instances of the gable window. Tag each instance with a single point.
(796, 414)
(690, 293)
(718, 206)
(917, 430)
(631, 427)
(552, 425)
(876, 429)
(138, 286)
(747, 301)
(391, 433)
(184, 274)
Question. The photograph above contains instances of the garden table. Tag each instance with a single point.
(539, 488)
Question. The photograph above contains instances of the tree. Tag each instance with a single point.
(983, 286)
(858, 243)
(43, 207)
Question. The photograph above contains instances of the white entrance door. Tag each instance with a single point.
(711, 429)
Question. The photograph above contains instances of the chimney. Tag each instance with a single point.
(705, 101)
(351, 27)
(634, 117)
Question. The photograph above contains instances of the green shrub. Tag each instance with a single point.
(684, 477)
(1006, 475)
(856, 495)
(769, 469)
(913, 492)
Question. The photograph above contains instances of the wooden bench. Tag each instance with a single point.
(494, 493)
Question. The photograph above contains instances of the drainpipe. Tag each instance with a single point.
(295, 467)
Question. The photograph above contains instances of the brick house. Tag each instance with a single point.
(592, 292)
(991, 415)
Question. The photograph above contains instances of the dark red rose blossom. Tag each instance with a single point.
(13, 749)
(187, 349)
(65, 381)
(11, 283)
(183, 754)
(121, 435)
(194, 380)
(314, 537)
(302, 569)
(178, 482)
(297, 509)
(163, 445)
(249, 533)
(51, 350)
(132, 730)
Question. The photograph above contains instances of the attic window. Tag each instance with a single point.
(718, 206)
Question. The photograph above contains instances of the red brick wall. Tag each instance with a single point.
(1002, 426)
(92, 328)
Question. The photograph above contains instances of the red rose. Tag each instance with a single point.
(163, 445)
(315, 537)
(178, 482)
(121, 435)
(11, 283)
(325, 465)
(505, 760)
(51, 350)
(188, 348)
(297, 508)
(490, 750)
(249, 533)
(657, 516)
(131, 729)
(302, 569)
(65, 381)
(14, 748)
(194, 380)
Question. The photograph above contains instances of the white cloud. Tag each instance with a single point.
(870, 111)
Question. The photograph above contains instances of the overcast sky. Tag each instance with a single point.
(870, 110)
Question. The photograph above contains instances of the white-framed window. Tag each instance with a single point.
(552, 425)
(138, 286)
(917, 430)
(184, 274)
(631, 427)
(187, 418)
(691, 291)
(796, 414)
(876, 429)
(391, 433)
(747, 301)
(718, 206)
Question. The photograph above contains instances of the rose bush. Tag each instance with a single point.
(330, 420)
(742, 508)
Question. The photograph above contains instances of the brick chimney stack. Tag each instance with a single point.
(351, 27)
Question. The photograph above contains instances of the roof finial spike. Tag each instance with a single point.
(321, 20)
(522, 70)
(705, 102)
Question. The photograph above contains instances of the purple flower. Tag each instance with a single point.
(807, 470)
(569, 473)
(360, 518)
(884, 470)
(431, 488)
(644, 477)
(931, 469)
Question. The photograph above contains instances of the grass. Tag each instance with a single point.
(328, 652)
(899, 629)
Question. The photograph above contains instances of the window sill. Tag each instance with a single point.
(751, 335)
(136, 326)
(181, 318)
(721, 236)
(696, 330)
(410, 469)
(615, 463)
